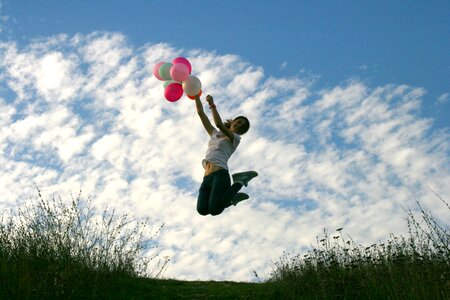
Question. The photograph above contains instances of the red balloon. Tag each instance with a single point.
(173, 92)
(193, 97)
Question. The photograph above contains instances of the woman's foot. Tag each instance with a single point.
(239, 197)
(244, 177)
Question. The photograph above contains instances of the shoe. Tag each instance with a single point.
(244, 177)
(239, 197)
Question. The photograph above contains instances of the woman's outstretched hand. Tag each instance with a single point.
(210, 100)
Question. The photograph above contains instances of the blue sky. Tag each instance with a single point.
(349, 104)
(382, 41)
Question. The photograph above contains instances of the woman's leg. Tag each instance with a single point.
(222, 192)
(204, 196)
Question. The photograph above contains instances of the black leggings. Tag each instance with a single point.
(216, 192)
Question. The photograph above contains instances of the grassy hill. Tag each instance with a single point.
(53, 251)
(175, 289)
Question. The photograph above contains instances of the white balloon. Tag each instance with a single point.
(192, 86)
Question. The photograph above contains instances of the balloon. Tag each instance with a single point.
(173, 92)
(193, 97)
(179, 72)
(156, 70)
(164, 71)
(192, 85)
(182, 60)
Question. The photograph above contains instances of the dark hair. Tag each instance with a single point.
(244, 129)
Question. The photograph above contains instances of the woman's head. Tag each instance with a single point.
(239, 125)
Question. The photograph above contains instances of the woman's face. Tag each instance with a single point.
(238, 124)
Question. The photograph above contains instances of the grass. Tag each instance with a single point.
(412, 267)
(54, 250)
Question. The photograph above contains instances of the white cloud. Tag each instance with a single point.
(84, 111)
(52, 77)
(444, 98)
(105, 147)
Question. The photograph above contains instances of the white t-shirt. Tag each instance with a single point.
(220, 149)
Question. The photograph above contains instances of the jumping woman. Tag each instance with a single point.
(216, 192)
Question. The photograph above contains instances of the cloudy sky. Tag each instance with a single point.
(348, 102)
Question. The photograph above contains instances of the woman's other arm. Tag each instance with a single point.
(218, 120)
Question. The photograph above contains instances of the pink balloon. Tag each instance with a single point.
(156, 70)
(173, 92)
(179, 72)
(182, 60)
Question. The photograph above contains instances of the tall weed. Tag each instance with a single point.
(412, 267)
(50, 249)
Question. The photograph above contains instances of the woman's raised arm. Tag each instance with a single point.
(203, 117)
